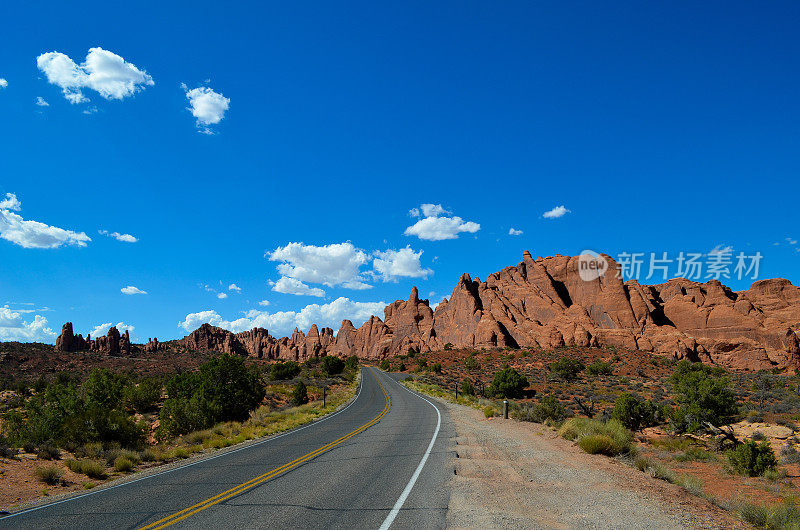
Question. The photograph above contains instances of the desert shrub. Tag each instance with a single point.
(703, 395)
(115, 454)
(331, 365)
(599, 368)
(49, 474)
(6, 451)
(224, 389)
(104, 388)
(283, 371)
(300, 394)
(90, 468)
(467, 388)
(385, 365)
(123, 464)
(695, 454)
(784, 515)
(402, 367)
(790, 455)
(752, 458)
(422, 364)
(489, 411)
(69, 417)
(448, 346)
(609, 438)
(635, 412)
(508, 383)
(48, 451)
(597, 444)
(436, 367)
(758, 436)
(351, 363)
(548, 408)
(144, 396)
(566, 368)
(470, 363)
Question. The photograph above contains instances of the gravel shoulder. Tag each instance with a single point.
(512, 474)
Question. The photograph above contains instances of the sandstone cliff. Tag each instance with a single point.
(544, 303)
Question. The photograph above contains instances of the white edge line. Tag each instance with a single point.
(403, 496)
(226, 453)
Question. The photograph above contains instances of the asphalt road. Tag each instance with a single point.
(364, 467)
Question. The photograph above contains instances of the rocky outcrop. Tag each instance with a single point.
(67, 341)
(545, 303)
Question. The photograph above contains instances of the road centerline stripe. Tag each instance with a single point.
(241, 488)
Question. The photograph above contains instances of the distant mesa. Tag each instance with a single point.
(540, 303)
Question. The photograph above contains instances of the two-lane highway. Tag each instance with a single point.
(381, 461)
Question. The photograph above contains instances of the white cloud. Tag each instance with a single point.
(222, 296)
(103, 71)
(288, 285)
(432, 210)
(440, 228)
(514, 232)
(10, 203)
(394, 264)
(3, 83)
(207, 106)
(413, 212)
(234, 287)
(125, 238)
(720, 249)
(555, 213)
(791, 241)
(434, 228)
(332, 265)
(264, 303)
(132, 290)
(102, 329)
(284, 322)
(14, 328)
(33, 234)
(41, 102)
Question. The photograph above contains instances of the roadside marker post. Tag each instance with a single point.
(505, 409)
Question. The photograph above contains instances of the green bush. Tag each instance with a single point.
(144, 396)
(351, 363)
(635, 413)
(466, 388)
(49, 474)
(224, 389)
(122, 464)
(567, 369)
(609, 438)
(703, 395)
(599, 367)
(448, 346)
(332, 365)
(752, 458)
(436, 367)
(470, 363)
(385, 365)
(597, 444)
(489, 411)
(300, 394)
(70, 416)
(508, 383)
(548, 408)
(402, 367)
(284, 371)
(90, 468)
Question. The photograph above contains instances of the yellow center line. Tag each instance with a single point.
(216, 499)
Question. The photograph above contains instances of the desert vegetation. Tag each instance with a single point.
(729, 437)
(109, 423)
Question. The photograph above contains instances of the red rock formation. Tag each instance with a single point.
(67, 341)
(544, 303)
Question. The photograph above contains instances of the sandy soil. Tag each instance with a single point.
(521, 475)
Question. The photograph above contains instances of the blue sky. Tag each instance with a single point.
(218, 135)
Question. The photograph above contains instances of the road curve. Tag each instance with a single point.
(382, 461)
